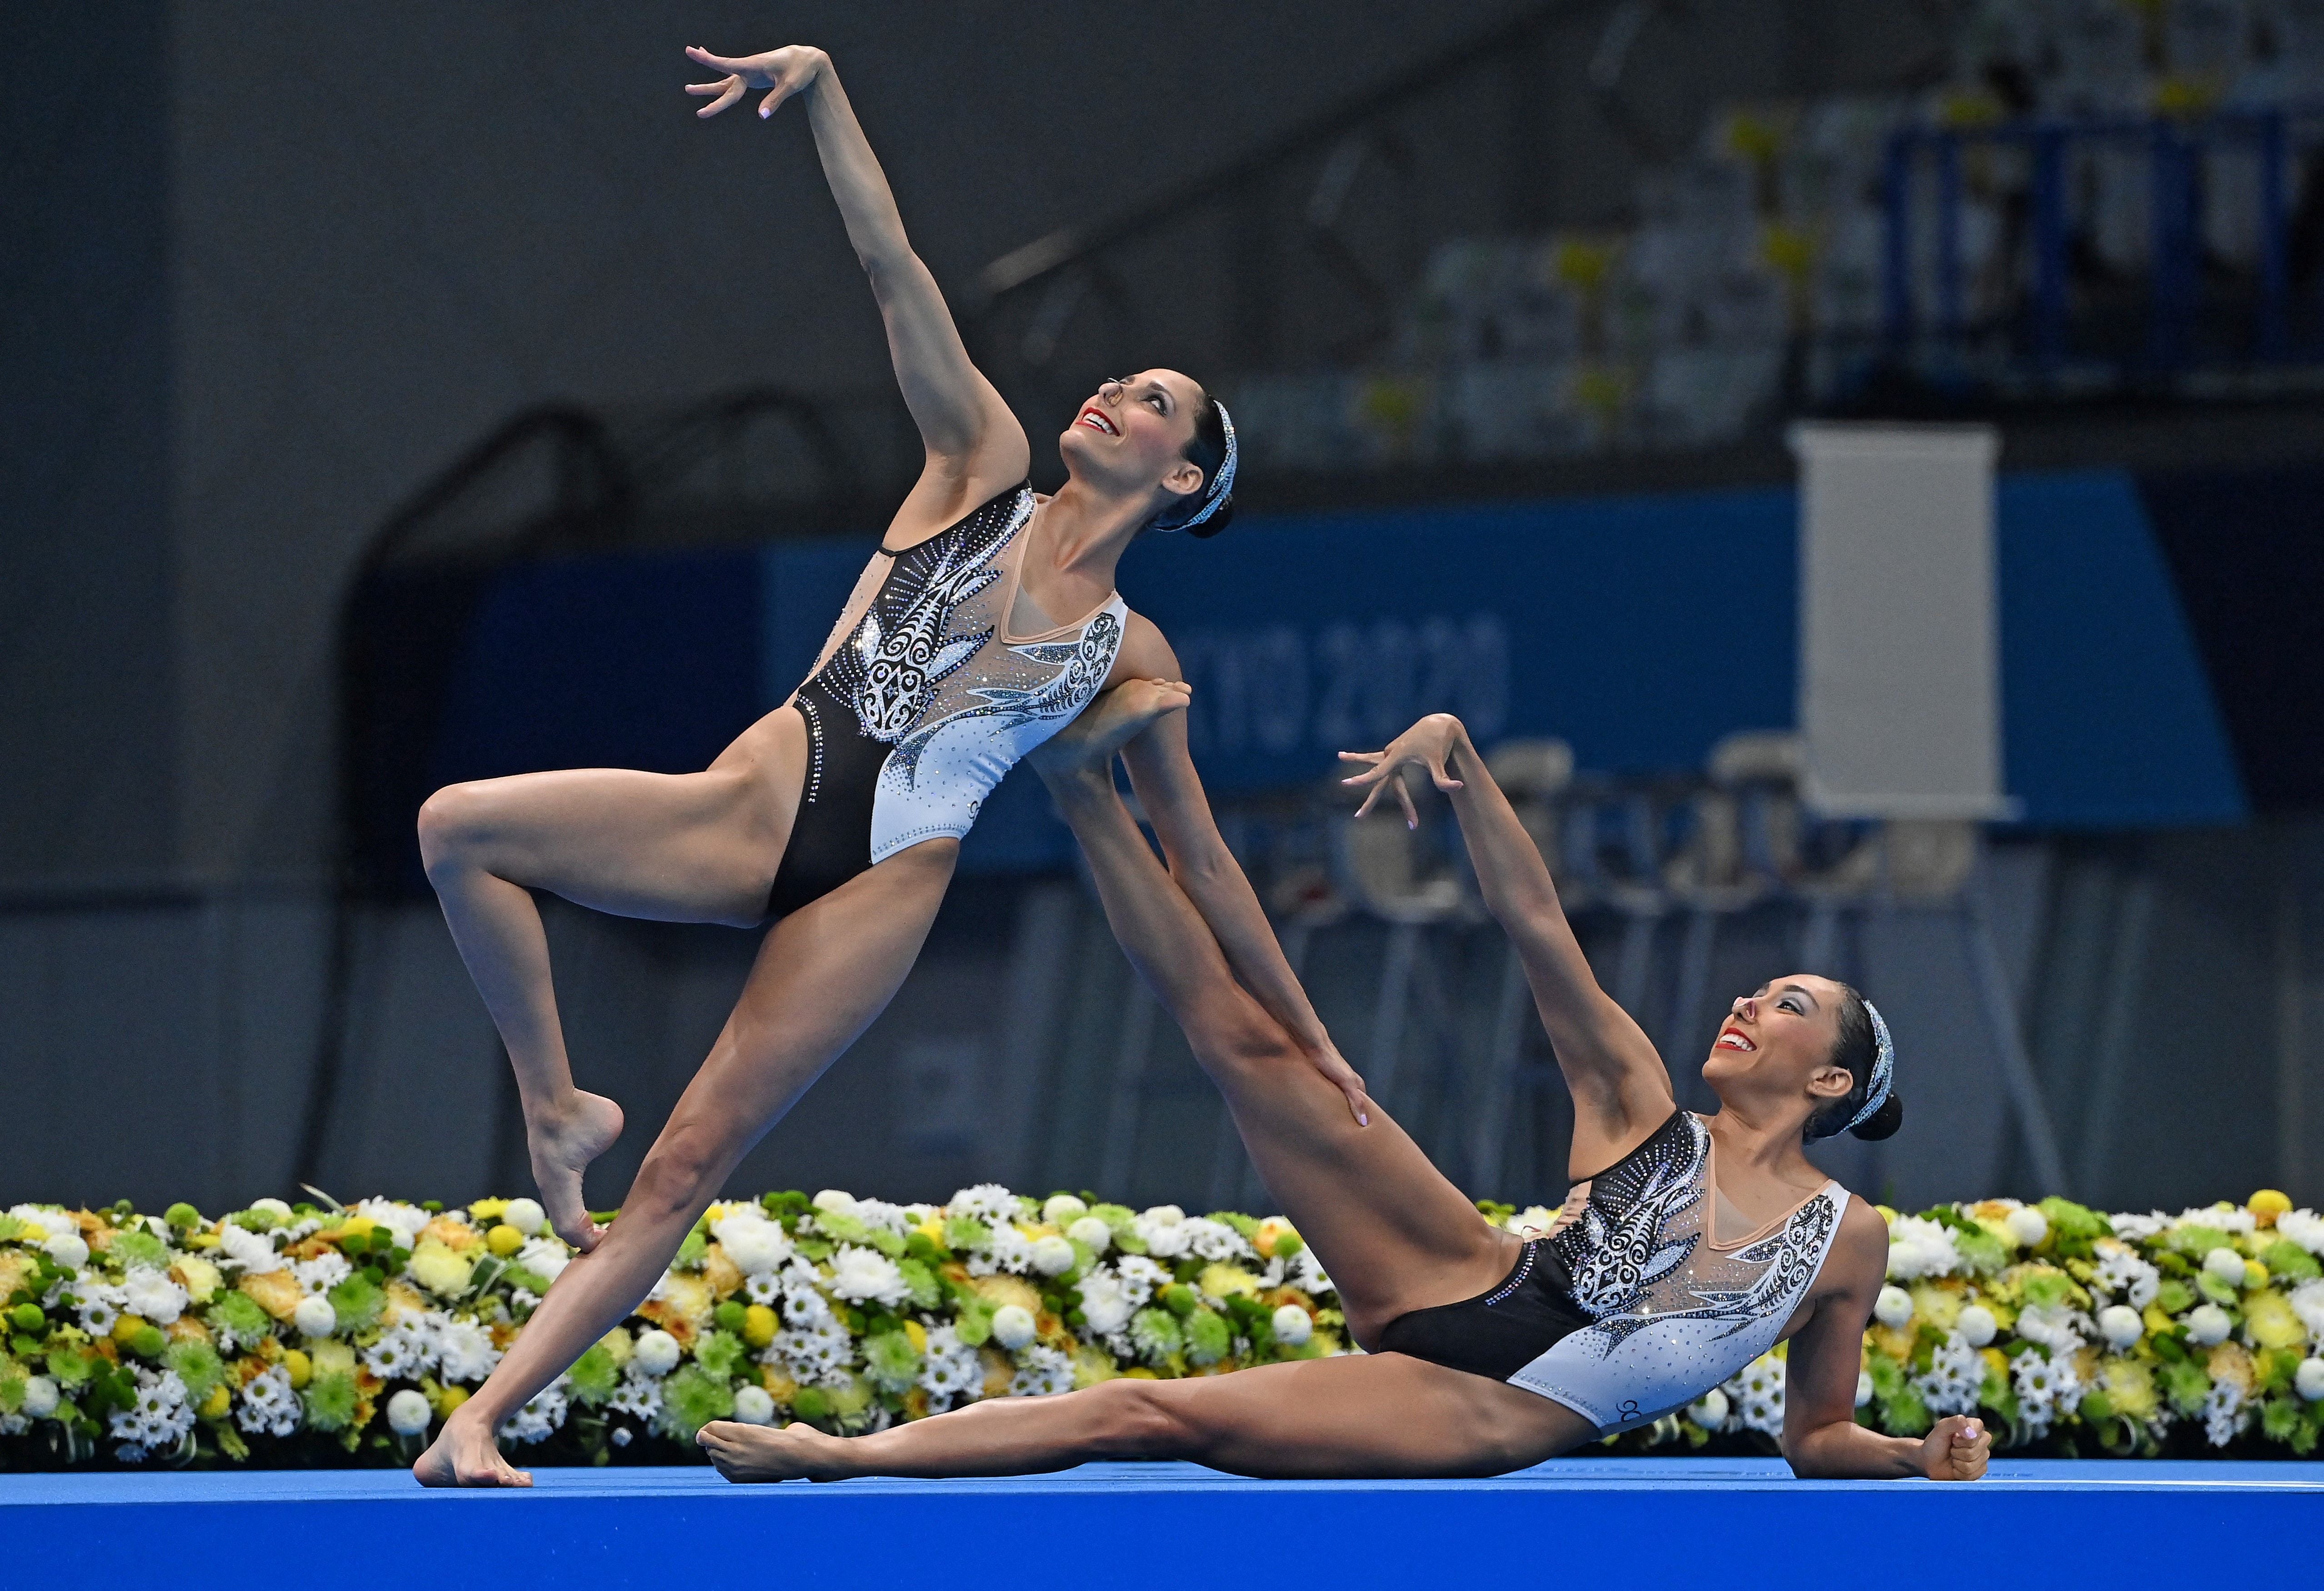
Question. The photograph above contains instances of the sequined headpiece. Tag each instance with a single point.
(1884, 1070)
(1221, 484)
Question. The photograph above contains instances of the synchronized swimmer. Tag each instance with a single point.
(1690, 1244)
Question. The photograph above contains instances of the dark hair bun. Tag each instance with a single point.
(1882, 1122)
(1216, 523)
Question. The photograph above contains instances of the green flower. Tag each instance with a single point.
(974, 1325)
(1207, 1338)
(718, 1353)
(593, 1376)
(688, 1256)
(2174, 1296)
(71, 1367)
(198, 1366)
(140, 1248)
(891, 1362)
(237, 1314)
(2288, 1263)
(926, 1292)
(357, 1303)
(691, 1398)
(962, 1232)
(330, 1400)
(812, 1404)
(1155, 1334)
(2186, 1385)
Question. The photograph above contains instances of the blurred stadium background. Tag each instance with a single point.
(399, 396)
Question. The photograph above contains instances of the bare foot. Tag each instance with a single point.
(1112, 721)
(465, 1455)
(760, 1453)
(561, 1149)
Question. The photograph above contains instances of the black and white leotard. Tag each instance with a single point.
(921, 698)
(1629, 1309)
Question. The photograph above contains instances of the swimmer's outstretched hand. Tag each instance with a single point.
(781, 72)
(1957, 1449)
(1426, 745)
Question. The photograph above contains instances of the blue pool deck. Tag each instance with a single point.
(1636, 1524)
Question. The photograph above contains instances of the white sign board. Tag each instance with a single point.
(1900, 669)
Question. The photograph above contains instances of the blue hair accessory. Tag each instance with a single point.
(1884, 1070)
(1222, 484)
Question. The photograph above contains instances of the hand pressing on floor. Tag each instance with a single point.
(751, 1453)
(1957, 1449)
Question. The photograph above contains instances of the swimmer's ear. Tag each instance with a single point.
(1831, 1082)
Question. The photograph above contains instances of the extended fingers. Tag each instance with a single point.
(728, 92)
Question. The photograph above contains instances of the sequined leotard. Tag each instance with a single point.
(921, 701)
(1629, 1309)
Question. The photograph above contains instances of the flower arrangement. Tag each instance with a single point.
(317, 1334)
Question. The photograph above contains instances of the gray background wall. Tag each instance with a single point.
(268, 275)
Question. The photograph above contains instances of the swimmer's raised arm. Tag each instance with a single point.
(1621, 1089)
(975, 446)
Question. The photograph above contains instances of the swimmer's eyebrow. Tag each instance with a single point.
(1804, 991)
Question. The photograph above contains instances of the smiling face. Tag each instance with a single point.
(1131, 436)
(1776, 1046)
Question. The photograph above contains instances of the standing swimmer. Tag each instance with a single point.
(841, 812)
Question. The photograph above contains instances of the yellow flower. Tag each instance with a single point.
(503, 1240)
(450, 1398)
(2156, 1320)
(488, 1209)
(1000, 1290)
(125, 1326)
(199, 1277)
(31, 1232)
(758, 1325)
(439, 1269)
(917, 1333)
(618, 1344)
(2267, 1204)
(997, 1370)
(2268, 1316)
(1939, 1305)
(1224, 1281)
(301, 1368)
(2233, 1361)
(1996, 1361)
(219, 1400)
(1140, 1373)
(1270, 1230)
(781, 1388)
(277, 1292)
(334, 1358)
(456, 1235)
(1093, 1365)
(2129, 1387)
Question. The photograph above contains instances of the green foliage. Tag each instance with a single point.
(974, 1324)
(1245, 1227)
(12, 1388)
(330, 1400)
(198, 1364)
(594, 1377)
(2195, 1242)
(10, 1228)
(532, 1282)
(691, 1398)
(2074, 1229)
(2174, 1296)
(690, 1252)
(357, 1301)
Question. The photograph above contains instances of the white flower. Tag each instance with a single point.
(1063, 1210)
(538, 1418)
(1040, 1372)
(1976, 1325)
(325, 1271)
(988, 1202)
(1012, 1325)
(464, 1351)
(253, 1251)
(816, 1354)
(2027, 1226)
(755, 1244)
(2308, 1303)
(1308, 1275)
(2121, 1326)
(1052, 1256)
(765, 1288)
(2220, 1217)
(2304, 1228)
(2223, 1412)
(1893, 1306)
(1863, 1390)
(755, 1405)
(1215, 1240)
(835, 1201)
(42, 1397)
(405, 1220)
(1106, 1305)
(1955, 1377)
(1535, 1221)
(100, 1307)
(2225, 1264)
(1293, 1325)
(2132, 1228)
(151, 1293)
(526, 1216)
(402, 1353)
(949, 1369)
(638, 1395)
(315, 1316)
(1919, 1247)
(2056, 1326)
(2044, 1386)
(2308, 1381)
(407, 1413)
(1139, 1276)
(68, 1249)
(1009, 1250)
(656, 1352)
(804, 1305)
(2208, 1325)
(861, 1275)
(1709, 1411)
(545, 1256)
(271, 1207)
(881, 1217)
(267, 1404)
(160, 1417)
(1163, 1215)
(2120, 1270)
(1164, 1230)
(1092, 1232)
(1756, 1393)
